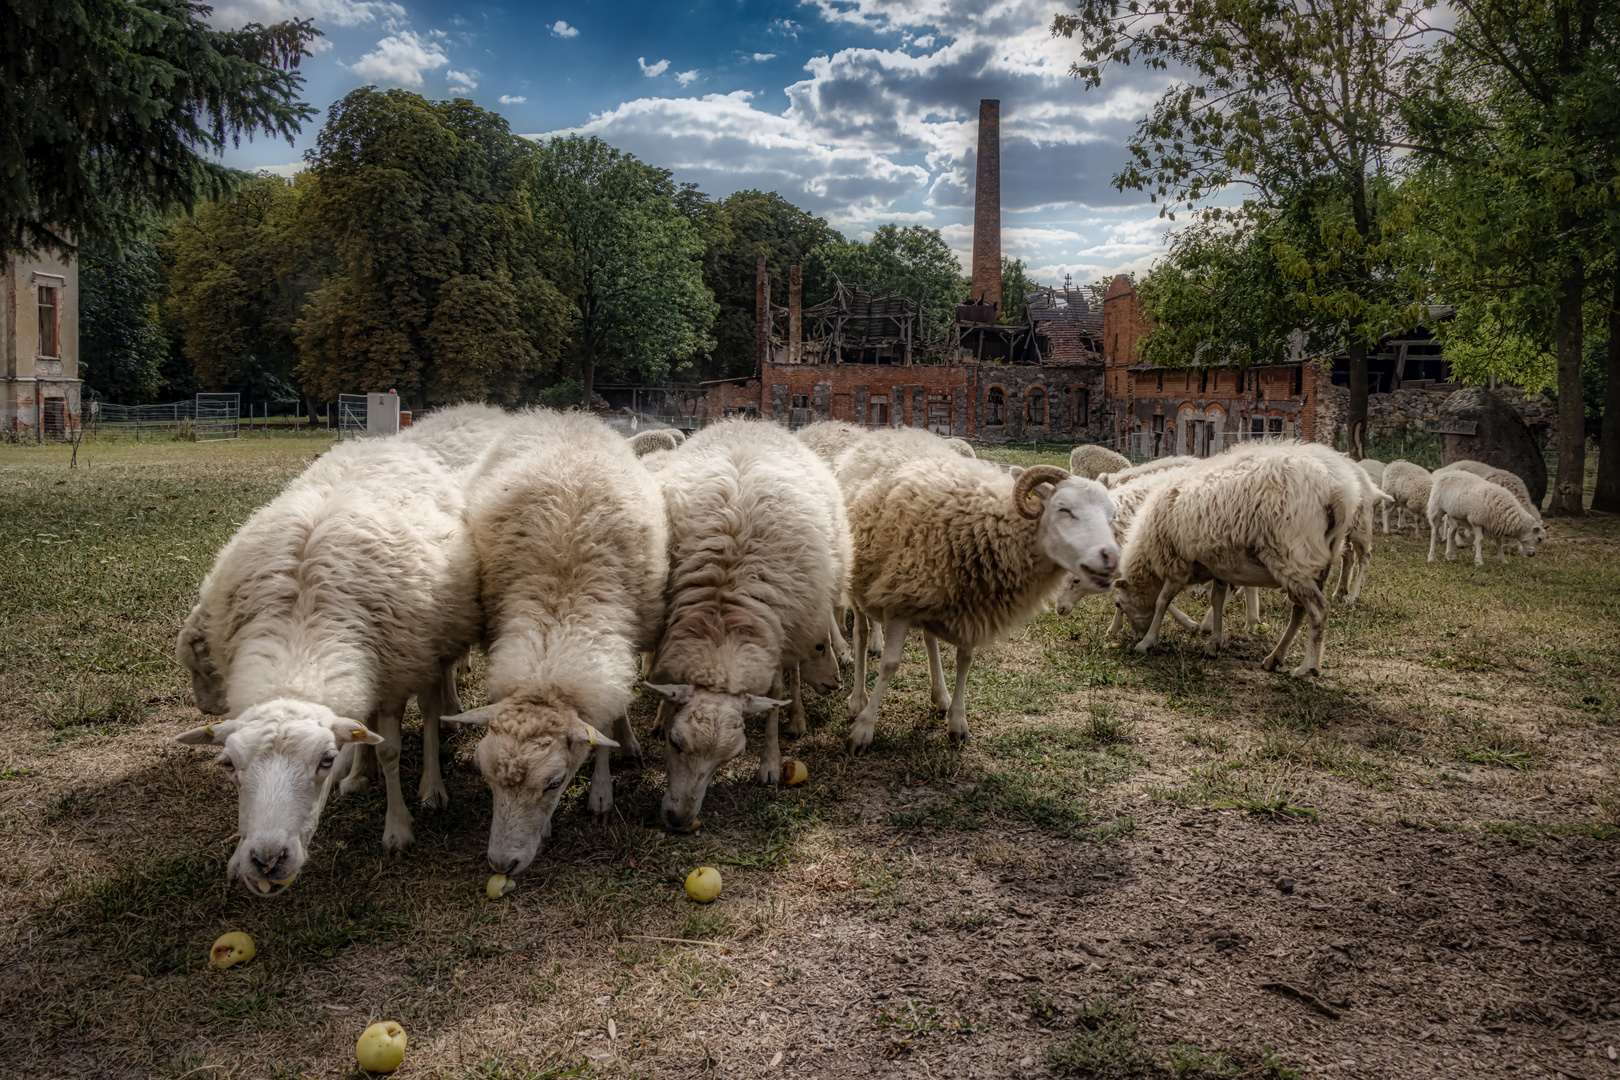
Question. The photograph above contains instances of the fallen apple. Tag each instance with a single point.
(231, 949)
(381, 1047)
(703, 884)
(498, 886)
(794, 773)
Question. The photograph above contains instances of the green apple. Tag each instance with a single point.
(381, 1047)
(703, 884)
(231, 949)
(498, 886)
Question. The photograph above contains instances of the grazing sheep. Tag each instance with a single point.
(759, 558)
(829, 438)
(960, 446)
(957, 548)
(1091, 461)
(1270, 518)
(573, 558)
(1500, 477)
(1489, 510)
(352, 589)
(1125, 476)
(1375, 470)
(1408, 485)
(655, 439)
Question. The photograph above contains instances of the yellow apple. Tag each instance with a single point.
(498, 886)
(703, 884)
(381, 1047)
(794, 773)
(231, 949)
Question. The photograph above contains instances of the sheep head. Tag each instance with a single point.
(820, 669)
(1530, 542)
(705, 733)
(280, 755)
(1072, 530)
(529, 754)
(1136, 600)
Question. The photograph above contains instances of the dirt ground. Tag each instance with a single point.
(1157, 866)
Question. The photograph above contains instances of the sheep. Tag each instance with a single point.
(957, 548)
(653, 440)
(759, 557)
(352, 589)
(1125, 476)
(1497, 476)
(1375, 470)
(1408, 485)
(459, 436)
(960, 446)
(1092, 461)
(573, 558)
(1269, 517)
(829, 438)
(1489, 510)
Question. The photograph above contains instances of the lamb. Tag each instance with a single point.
(1269, 517)
(1488, 509)
(1375, 471)
(1091, 461)
(759, 557)
(354, 588)
(1408, 485)
(957, 548)
(573, 559)
(653, 440)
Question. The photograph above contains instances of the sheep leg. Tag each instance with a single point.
(397, 835)
(1501, 551)
(601, 796)
(936, 673)
(1251, 609)
(1116, 627)
(1347, 566)
(430, 792)
(629, 746)
(1280, 651)
(857, 695)
(770, 756)
(874, 640)
(798, 723)
(1363, 564)
(665, 709)
(1385, 509)
(1167, 593)
(956, 715)
(894, 644)
(1217, 610)
(1479, 546)
(1311, 604)
(838, 639)
(1183, 619)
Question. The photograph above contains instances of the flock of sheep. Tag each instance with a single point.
(719, 569)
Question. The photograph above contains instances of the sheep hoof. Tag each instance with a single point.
(1143, 647)
(1269, 664)
(1305, 670)
(396, 840)
(769, 777)
(351, 785)
(434, 798)
(1212, 649)
(631, 761)
(957, 738)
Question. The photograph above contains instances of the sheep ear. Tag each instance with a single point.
(753, 704)
(481, 715)
(353, 731)
(680, 694)
(208, 734)
(583, 732)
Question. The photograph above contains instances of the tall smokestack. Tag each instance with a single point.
(987, 207)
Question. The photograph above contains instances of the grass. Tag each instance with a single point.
(1106, 1043)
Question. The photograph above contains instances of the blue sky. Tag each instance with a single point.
(861, 111)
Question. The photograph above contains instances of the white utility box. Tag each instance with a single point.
(382, 414)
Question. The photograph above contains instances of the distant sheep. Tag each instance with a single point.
(1091, 461)
(962, 549)
(1125, 476)
(759, 558)
(829, 438)
(1409, 486)
(1489, 510)
(1499, 477)
(646, 442)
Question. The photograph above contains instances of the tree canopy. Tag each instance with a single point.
(911, 260)
(122, 345)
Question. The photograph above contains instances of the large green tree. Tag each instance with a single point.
(438, 282)
(630, 263)
(1295, 103)
(114, 111)
(912, 261)
(1016, 285)
(122, 345)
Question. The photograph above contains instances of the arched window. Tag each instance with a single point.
(995, 407)
(1036, 403)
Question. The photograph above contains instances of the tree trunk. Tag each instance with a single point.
(1566, 497)
(1607, 495)
(590, 376)
(1356, 437)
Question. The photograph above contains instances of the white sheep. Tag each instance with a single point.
(1489, 510)
(460, 435)
(829, 438)
(653, 440)
(759, 558)
(1498, 476)
(1091, 461)
(573, 558)
(1125, 476)
(1375, 470)
(1408, 485)
(960, 446)
(352, 589)
(1270, 518)
(959, 549)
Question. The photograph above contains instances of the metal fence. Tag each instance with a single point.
(351, 415)
(217, 417)
(205, 418)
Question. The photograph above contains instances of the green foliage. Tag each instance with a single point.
(911, 261)
(1479, 346)
(114, 110)
(1106, 1044)
(1016, 284)
(629, 260)
(122, 345)
(436, 286)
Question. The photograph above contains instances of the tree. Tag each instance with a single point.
(239, 272)
(122, 346)
(114, 111)
(1016, 284)
(631, 262)
(439, 282)
(911, 261)
(1296, 102)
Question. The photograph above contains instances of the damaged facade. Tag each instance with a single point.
(39, 347)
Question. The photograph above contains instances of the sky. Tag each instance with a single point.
(863, 112)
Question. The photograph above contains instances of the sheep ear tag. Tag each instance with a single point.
(352, 731)
(208, 735)
(595, 738)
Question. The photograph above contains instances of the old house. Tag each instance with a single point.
(39, 337)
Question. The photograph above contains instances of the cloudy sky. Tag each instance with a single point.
(861, 111)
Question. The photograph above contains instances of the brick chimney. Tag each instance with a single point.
(987, 207)
(795, 313)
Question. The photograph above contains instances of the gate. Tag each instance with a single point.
(218, 417)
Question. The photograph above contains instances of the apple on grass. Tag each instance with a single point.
(381, 1047)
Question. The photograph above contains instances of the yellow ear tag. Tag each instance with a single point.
(208, 730)
(358, 733)
(590, 734)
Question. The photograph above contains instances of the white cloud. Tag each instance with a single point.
(513, 99)
(461, 78)
(761, 57)
(400, 59)
(652, 71)
(686, 78)
(924, 42)
(561, 29)
(289, 170)
(233, 14)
